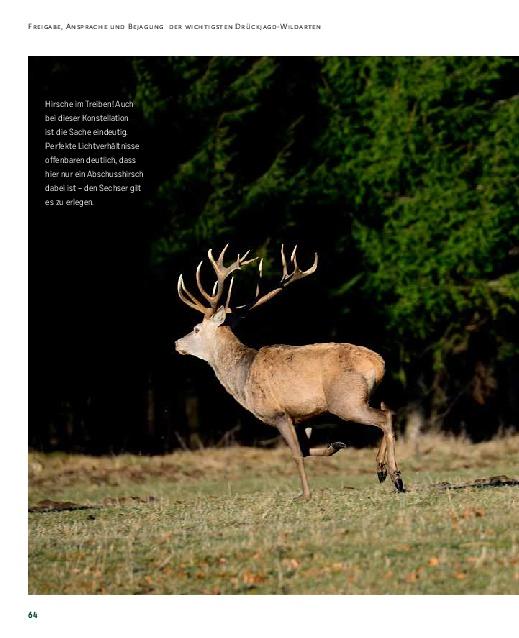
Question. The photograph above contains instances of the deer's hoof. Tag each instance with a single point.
(301, 497)
(337, 446)
(399, 484)
(382, 474)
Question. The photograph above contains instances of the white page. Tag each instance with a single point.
(367, 28)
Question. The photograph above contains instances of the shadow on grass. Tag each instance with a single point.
(46, 505)
(493, 481)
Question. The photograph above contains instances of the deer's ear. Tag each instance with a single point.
(219, 317)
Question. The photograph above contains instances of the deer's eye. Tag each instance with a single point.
(196, 330)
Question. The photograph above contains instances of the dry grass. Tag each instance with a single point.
(432, 453)
(223, 521)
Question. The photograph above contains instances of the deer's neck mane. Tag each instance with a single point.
(231, 361)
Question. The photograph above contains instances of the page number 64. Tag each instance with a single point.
(32, 614)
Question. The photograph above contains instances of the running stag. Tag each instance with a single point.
(284, 386)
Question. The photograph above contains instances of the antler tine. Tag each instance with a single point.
(313, 267)
(283, 262)
(293, 257)
(221, 274)
(286, 279)
(297, 273)
(260, 271)
(245, 262)
(189, 299)
(217, 263)
(228, 300)
(205, 294)
(220, 258)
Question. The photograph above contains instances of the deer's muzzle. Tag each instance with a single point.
(179, 349)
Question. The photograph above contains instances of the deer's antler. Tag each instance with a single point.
(286, 279)
(222, 272)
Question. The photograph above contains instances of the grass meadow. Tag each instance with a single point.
(223, 521)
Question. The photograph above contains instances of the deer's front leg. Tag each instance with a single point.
(332, 449)
(304, 444)
(288, 432)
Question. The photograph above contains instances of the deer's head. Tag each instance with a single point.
(200, 342)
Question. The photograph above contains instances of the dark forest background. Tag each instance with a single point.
(401, 172)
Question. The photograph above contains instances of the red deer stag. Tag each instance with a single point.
(286, 385)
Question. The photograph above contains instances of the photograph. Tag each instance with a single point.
(277, 335)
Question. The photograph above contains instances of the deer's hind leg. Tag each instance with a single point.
(394, 472)
(354, 407)
(382, 460)
(383, 420)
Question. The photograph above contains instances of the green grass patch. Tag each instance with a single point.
(222, 533)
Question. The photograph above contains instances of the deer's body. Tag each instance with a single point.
(302, 381)
(286, 385)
